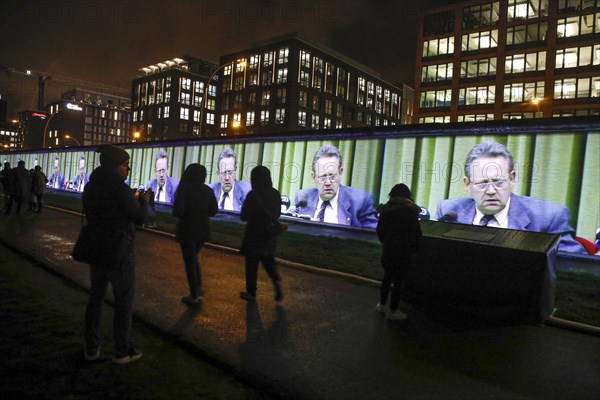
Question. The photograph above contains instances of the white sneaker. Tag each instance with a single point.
(380, 308)
(396, 315)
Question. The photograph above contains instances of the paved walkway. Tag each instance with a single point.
(325, 341)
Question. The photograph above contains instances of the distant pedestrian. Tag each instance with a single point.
(32, 197)
(194, 204)
(38, 186)
(7, 184)
(20, 185)
(400, 234)
(111, 207)
(262, 205)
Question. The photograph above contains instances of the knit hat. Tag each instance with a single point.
(400, 190)
(111, 156)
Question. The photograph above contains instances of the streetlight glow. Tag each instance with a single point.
(73, 139)
(241, 63)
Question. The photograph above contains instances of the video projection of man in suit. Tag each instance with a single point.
(229, 191)
(489, 179)
(330, 201)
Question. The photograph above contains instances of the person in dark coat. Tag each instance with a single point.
(7, 184)
(21, 185)
(262, 205)
(400, 234)
(113, 208)
(194, 203)
(38, 187)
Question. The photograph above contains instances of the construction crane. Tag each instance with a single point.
(45, 76)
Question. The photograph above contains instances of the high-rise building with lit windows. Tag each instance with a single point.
(167, 99)
(84, 118)
(488, 60)
(287, 84)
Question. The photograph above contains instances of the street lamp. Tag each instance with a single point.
(46, 128)
(237, 125)
(137, 136)
(205, 94)
(536, 101)
(73, 139)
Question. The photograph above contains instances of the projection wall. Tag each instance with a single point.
(558, 163)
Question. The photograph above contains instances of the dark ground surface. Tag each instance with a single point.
(41, 348)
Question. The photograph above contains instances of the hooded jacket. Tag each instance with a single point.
(398, 228)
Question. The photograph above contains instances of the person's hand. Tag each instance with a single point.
(146, 195)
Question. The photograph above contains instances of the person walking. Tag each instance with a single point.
(20, 185)
(194, 204)
(111, 207)
(7, 184)
(261, 208)
(38, 187)
(399, 232)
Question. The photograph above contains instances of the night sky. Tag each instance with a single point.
(106, 42)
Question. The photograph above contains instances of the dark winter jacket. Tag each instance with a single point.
(398, 229)
(262, 205)
(109, 204)
(193, 207)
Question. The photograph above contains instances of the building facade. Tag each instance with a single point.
(287, 84)
(86, 118)
(488, 60)
(167, 100)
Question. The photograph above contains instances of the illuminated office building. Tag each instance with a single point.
(86, 118)
(8, 136)
(488, 60)
(167, 98)
(286, 84)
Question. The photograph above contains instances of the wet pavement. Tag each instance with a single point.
(325, 340)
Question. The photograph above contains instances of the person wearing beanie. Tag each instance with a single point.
(114, 209)
(400, 234)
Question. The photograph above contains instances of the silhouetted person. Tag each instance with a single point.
(262, 204)
(7, 184)
(38, 186)
(194, 204)
(113, 208)
(21, 185)
(399, 232)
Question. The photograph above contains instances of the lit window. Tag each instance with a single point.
(184, 113)
(280, 116)
(224, 119)
(250, 118)
(264, 117)
(282, 75)
(301, 118)
(283, 54)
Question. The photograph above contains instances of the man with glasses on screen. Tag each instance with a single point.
(57, 179)
(82, 177)
(229, 192)
(330, 201)
(489, 179)
(164, 187)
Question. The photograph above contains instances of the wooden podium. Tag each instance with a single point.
(495, 274)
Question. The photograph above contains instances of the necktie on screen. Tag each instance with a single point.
(321, 214)
(160, 189)
(222, 204)
(486, 219)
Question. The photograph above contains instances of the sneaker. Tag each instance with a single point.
(131, 357)
(91, 356)
(278, 292)
(396, 315)
(247, 296)
(191, 299)
(380, 308)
